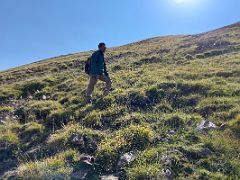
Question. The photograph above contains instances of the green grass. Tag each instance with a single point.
(162, 89)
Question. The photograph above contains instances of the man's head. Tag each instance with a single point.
(102, 47)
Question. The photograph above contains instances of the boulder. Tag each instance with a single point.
(126, 159)
(205, 126)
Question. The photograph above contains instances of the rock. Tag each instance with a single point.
(2, 122)
(168, 174)
(126, 159)
(205, 126)
(10, 175)
(87, 159)
(223, 126)
(15, 117)
(84, 143)
(172, 132)
(44, 97)
(30, 97)
(80, 174)
(165, 159)
(77, 139)
(110, 177)
(189, 57)
(205, 152)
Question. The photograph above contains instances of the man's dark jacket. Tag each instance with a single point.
(98, 66)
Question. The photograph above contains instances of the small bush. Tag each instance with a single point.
(213, 53)
(163, 107)
(155, 95)
(109, 152)
(174, 121)
(124, 121)
(210, 105)
(56, 167)
(235, 125)
(189, 57)
(103, 119)
(146, 172)
(116, 68)
(138, 137)
(50, 112)
(62, 138)
(31, 129)
(6, 109)
(103, 103)
(138, 100)
(125, 140)
(8, 93)
(9, 140)
(30, 87)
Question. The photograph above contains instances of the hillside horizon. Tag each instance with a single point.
(138, 41)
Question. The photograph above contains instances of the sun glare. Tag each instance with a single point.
(185, 1)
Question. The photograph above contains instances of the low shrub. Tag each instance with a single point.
(56, 167)
(30, 87)
(154, 94)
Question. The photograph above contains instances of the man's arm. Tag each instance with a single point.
(94, 64)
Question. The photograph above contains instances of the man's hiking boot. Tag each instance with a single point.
(89, 100)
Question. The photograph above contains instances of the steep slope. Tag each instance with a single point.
(174, 113)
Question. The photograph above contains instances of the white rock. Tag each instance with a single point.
(44, 97)
(126, 158)
(109, 177)
(205, 126)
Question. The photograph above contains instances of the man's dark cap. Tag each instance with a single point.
(101, 44)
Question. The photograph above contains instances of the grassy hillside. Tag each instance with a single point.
(163, 89)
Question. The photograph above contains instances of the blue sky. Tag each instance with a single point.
(31, 30)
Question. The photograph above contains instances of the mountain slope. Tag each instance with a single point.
(165, 88)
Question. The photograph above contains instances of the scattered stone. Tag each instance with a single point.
(80, 174)
(165, 138)
(2, 122)
(84, 143)
(168, 174)
(126, 159)
(165, 159)
(77, 139)
(87, 159)
(190, 122)
(10, 175)
(44, 97)
(223, 126)
(189, 57)
(205, 152)
(15, 117)
(172, 132)
(30, 97)
(110, 177)
(205, 126)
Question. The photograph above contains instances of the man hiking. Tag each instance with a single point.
(98, 70)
